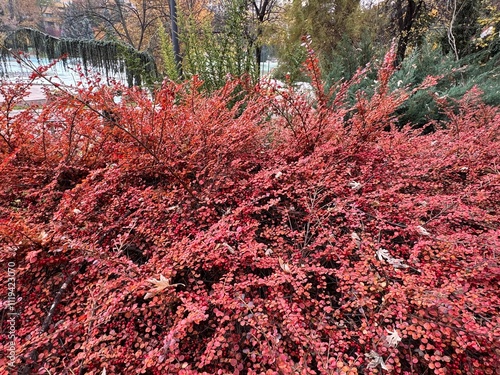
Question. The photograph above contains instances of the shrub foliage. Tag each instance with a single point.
(172, 233)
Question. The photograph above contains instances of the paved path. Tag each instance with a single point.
(35, 96)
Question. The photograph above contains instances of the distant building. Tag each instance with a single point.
(52, 17)
(42, 15)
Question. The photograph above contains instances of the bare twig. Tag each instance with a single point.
(399, 225)
(58, 297)
(451, 37)
(33, 355)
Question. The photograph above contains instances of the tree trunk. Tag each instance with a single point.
(11, 9)
(175, 37)
(258, 58)
(405, 18)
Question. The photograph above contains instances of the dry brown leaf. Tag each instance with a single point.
(160, 285)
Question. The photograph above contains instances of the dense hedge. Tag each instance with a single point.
(174, 234)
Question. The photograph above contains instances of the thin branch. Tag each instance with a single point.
(58, 297)
(399, 225)
(451, 36)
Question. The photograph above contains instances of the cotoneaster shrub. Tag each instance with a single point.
(174, 234)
